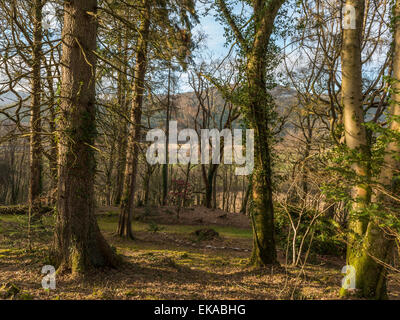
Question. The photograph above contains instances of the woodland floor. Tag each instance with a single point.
(166, 261)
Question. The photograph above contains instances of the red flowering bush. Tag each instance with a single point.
(180, 192)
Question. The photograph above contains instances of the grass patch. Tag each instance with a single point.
(109, 224)
(155, 269)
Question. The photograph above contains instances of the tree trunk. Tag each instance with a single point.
(256, 111)
(108, 170)
(210, 183)
(304, 178)
(215, 190)
(35, 181)
(355, 133)
(123, 105)
(165, 166)
(146, 185)
(53, 153)
(371, 276)
(245, 201)
(128, 195)
(79, 243)
(262, 209)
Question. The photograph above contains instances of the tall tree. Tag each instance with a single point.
(369, 246)
(35, 161)
(165, 166)
(123, 43)
(138, 89)
(374, 253)
(355, 131)
(255, 49)
(79, 243)
(178, 43)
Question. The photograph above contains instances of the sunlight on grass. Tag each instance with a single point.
(109, 224)
(193, 260)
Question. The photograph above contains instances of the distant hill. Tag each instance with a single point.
(10, 98)
(184, 106)
(9, 103)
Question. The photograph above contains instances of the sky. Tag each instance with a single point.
(215, 40)
(214, 43)
(215, 35)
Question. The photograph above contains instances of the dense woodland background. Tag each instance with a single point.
(81, 84)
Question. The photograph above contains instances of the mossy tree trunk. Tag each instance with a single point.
(79, 243)
(355, 131)
(355, 134)
(368, 246)
(261, 209)
(255, 49)
(378, 244)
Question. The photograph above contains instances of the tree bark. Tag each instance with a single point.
(123, 104)
(371, 273)
(53, 153)
(355, 132)
(146, 185)
(209, 179)
(128, 195)
(355, 135)
(79, 243)
(262, 209)
(246, 197)
(165, 166)
(257, 113)
(35, 181)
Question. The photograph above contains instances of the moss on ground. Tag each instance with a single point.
(161, 270)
